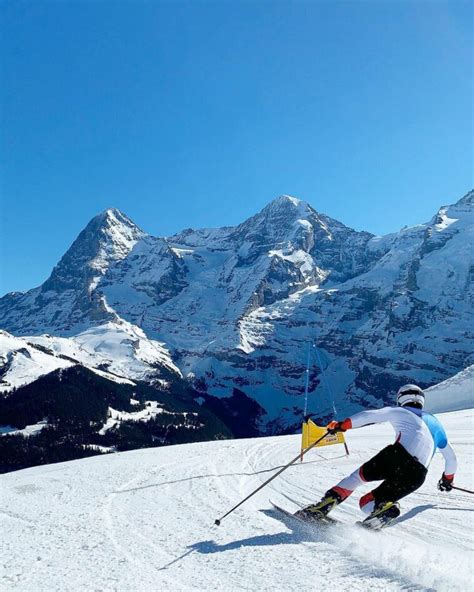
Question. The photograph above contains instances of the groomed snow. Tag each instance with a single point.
(143, 521)
(452, 394)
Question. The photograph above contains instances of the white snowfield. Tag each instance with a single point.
(144, 521)
(117, 345)
(452, 394)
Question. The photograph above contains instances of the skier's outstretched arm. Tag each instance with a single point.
(362, 419)
(450, 467)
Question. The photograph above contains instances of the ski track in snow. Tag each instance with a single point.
(143, 520)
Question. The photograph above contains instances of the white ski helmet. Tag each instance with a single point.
(411, 394)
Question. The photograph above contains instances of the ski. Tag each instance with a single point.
(377, 521)
(374, 523)
(322, 522)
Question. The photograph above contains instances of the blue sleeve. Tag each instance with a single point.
(436, 430)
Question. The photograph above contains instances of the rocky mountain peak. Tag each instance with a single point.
(277, 222)
(467, 199)
(285, 208)
(112, 226)
(107, 238)
(287, 213)
(286, 202)
(237, 306)
(112, 217)
(68, 299)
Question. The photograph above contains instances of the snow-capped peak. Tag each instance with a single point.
(285, 201)
(285, 276)
(68, 300)
(119, 235)
(276, 220)
(288, 206)
(114, 226)
(107, 238)
(294, 200)
(113, 218)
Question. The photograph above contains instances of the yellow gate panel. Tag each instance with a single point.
(312, 432)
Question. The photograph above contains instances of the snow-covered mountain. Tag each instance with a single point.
(211, 277)
(407, 319)
(68, 301)
(144, 520)
(195, 287)
(116, 350)
(238, 307)
(22, 363)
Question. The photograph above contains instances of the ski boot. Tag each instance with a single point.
(319, 512)
(384, 513)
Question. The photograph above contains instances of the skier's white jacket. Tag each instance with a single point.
(418, 432)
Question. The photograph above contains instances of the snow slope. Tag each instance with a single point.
(143, 520)
(452, 394)
(20, 363)
(116, 350)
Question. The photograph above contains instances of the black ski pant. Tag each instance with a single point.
(401, 472)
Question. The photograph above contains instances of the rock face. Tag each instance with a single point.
(195, 287)
(407, 319)
(68, 301)
(241, 307)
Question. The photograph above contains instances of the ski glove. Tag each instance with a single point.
(446, 482)
(339, 426)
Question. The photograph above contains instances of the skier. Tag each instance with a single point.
(402, 466)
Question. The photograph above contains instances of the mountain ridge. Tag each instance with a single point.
(236, 306)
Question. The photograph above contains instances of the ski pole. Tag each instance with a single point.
(462, 489)
(218, 520)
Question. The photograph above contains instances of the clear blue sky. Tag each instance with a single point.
(191, 114)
